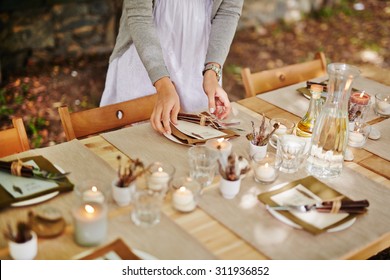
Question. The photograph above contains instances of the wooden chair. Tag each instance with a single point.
(267, 80)
(89, 122)
(14, 140)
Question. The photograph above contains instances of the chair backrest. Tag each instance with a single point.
(267, 80)
(14, 140)
(93, 121)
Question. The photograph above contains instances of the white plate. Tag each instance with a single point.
(38, 199)
(287, 221)
(174, 139)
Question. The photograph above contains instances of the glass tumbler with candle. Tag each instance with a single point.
(382, 104)
(90, 221)
(330, 133)
(159, 175)
(185, 194)
(285, 127)
(265, 167)
(358, 134)
(358, 106)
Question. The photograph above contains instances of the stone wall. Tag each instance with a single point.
(41, 31)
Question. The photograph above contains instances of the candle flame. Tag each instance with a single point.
(362, 94)
(220, 140)
(159, 169)
(182, 189)
(89, 209)
(266, 164)
(94, 189)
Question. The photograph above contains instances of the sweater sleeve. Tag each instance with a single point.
(223, 28)
(139, 16)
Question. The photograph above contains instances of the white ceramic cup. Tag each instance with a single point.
(229, 189)
(24, 251)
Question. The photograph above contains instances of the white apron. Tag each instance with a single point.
(183, 27)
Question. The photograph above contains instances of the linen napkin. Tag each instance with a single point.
(30, 187)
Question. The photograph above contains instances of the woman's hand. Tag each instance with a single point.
(167, 106)
(219, 103)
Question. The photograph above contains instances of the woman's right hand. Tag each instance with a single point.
(167, 106)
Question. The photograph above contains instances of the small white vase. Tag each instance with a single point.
(24, 251)
(229, 189)
(122, 196)
(253, 149)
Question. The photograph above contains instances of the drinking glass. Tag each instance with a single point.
(146, 207)
(290, 150)
(203, 163)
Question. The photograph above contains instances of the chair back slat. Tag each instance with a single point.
(93, 121)
(264, 81)
(14, 140)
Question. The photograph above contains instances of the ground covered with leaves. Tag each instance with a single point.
(345, 34)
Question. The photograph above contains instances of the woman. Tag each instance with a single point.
(174, 47)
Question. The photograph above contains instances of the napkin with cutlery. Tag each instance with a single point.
(29, 178)
(312, 205)
(194, 129)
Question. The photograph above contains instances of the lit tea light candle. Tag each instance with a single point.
(158, 180)
(356, 139)
(281, 130)
(360, 98)
(90, 224)
(384, 106)
(265, 173)
(93, 195)
(183, 200)
(221, 145)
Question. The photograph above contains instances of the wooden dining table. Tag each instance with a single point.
(218, 237)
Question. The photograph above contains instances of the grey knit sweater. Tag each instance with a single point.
(137, 26)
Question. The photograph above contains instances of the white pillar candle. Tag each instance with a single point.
(90, 223)
(265, 173)
(93, 195)
(221, 145)
(158, 180)
(183, 200)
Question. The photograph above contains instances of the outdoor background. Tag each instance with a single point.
(55, 52)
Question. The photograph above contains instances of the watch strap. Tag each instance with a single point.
(213, 67)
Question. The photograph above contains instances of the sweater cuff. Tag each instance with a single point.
(157, 73)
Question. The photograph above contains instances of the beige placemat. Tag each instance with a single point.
(289, 99)
(164, 241)
(380, 147)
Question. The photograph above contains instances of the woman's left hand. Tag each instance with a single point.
(219, 103)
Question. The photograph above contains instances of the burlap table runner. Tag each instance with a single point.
(380, 147)
(248, 218)
(164, 241)
(289, 99)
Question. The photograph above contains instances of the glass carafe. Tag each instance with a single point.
(330, 132)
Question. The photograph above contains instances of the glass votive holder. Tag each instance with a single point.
(265, 169)
(358, 106)
(159, 175)
(286, 126)
(185, 194)
(382, 104)
(290, 151)
(358, 134)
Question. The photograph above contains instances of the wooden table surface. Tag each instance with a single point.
(218, 239)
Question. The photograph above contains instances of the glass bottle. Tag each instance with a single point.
(306, 124)
(330, 133)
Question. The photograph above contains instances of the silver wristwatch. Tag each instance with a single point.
(215, 68)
